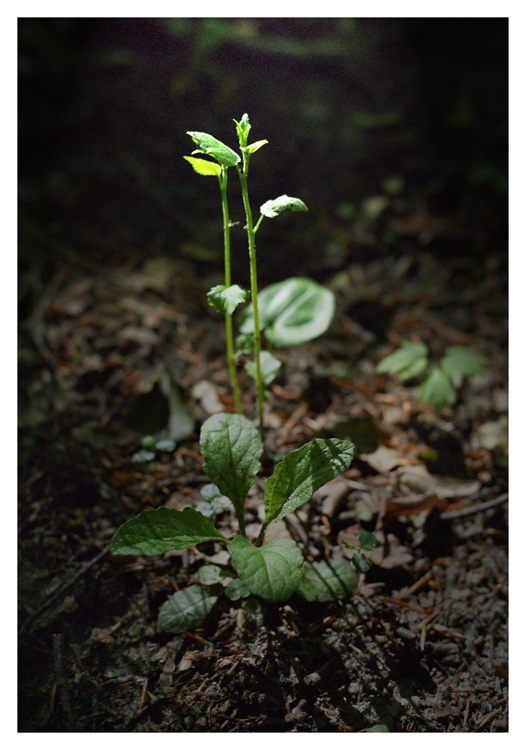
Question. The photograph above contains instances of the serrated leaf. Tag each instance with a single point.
(204, 167)
(291, 312)
(460, 362)
(407, 362)
(187, 609)
(302, 472)
(231, 447)
(274, 207)
(225, 299)
(271, 572)
(154, 532)
(326, 580)
(270, 366)
(209, 145)
(236, 590)
(437, 389)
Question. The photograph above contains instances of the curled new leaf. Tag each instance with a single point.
(209, 145)
(274, 207)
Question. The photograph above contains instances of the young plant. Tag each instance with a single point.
(293, 311)
(441, 383)
(232, 448)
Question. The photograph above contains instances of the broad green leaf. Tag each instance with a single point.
(437, 389)
(270, 366)
(460, 362)
(274, 207)
(407, 362)
(231, 447)
(254, 146)
(236, 589)
(204, 167)
(302, 472)
(207, 575)
(272, 572)
(186, 609)
(291, 312)
(367, 540)
(226, 299)
(326, 580)
(210, 145)
(153, 532)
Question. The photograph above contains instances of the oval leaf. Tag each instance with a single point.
(186, 609)
(204, 167)
(302, 472)
(231, 447)
(273, 208)
(270, 366)
(272, 572)
(292, 311)
(153, 532)
(210, 145)
(327, 580)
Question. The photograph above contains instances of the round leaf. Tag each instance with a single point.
(272, 572)
(186, 609)
(292, 311)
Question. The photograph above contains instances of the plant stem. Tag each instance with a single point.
(228, 318)
(253, 285)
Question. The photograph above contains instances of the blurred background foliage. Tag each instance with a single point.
(351, 108)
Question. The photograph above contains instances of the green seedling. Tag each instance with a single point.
(366, 542)
(440, 382)
(293, 311)
(232, 448)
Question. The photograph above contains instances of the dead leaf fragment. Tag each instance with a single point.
(417, 479)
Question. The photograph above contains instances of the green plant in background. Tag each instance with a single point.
(292, 312)
(440, 384)
(232, 448)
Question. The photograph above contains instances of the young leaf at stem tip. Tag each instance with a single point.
(274, 207)
(210, 145)
(225, 299)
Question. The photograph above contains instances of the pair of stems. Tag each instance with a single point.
(251, 232)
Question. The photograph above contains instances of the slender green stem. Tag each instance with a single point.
(253, 285)
(228, 318)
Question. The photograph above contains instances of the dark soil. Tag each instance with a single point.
(118, 247)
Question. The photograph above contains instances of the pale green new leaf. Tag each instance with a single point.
(186, 609)
(327, 580)
(153, 532)
(302, 472)
(407, 362)
(274, 207)
(231, 447)
(271, 572)
(460, 362)
(204, 167)
(225, 299)
(270, 366)
(254, 146)
(292, 311)
(210, 145)
(437, 389)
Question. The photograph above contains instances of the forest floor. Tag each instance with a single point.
(420, 647)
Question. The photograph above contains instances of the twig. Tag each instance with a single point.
(62, 590)
(474, 508)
